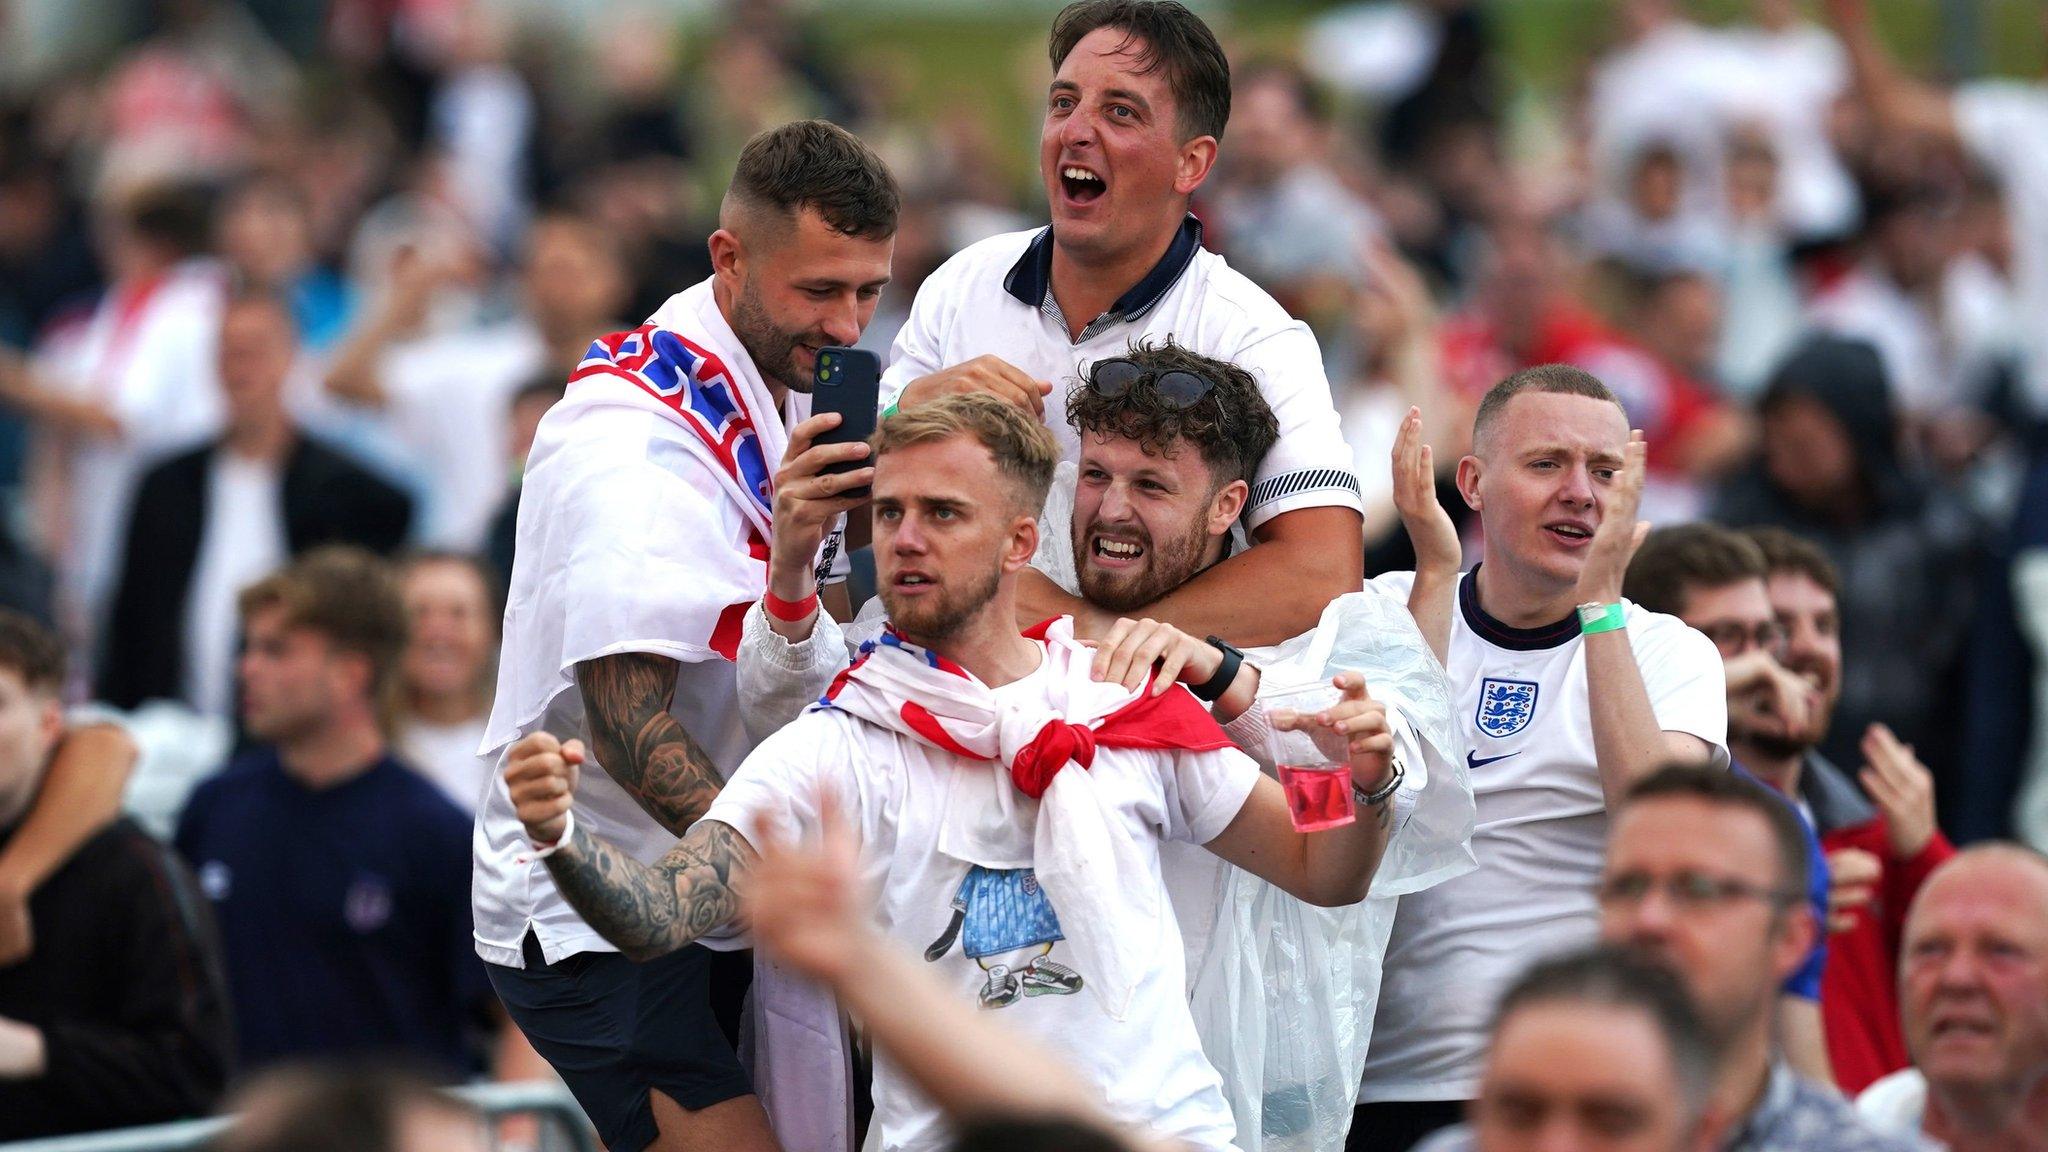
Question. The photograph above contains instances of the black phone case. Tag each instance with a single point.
(848, 381)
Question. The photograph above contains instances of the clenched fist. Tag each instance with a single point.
(541, 776)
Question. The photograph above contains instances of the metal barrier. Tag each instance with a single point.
(561, 1125)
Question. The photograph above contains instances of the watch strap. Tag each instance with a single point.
(1211, 690)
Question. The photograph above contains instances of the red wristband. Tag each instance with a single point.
(789, 611)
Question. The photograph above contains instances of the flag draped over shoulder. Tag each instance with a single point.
(644, 514)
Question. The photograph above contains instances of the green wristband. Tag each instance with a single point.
(1594, 618)
(891, 409)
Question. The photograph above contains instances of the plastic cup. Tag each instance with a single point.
(1315, 773)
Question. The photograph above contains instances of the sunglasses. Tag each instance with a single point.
(1112, 378)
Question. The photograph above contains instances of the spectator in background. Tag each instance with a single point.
(340, 878)
(1281, 210)
(1829, 470)
(448, 671)
(1707, 874)
(2000, 123)
(212, 521)
(1593, 1050)
(119, 1017)
(134, 380)
(529, 405)
(265, 230)
(1974, 985)
(1881, 839)
(446, 395)
(1524, 312)
(1713, 579)
(339, 1108)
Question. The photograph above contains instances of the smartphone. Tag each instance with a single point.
(849, 382)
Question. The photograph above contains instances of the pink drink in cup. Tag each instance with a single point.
(1315, 773)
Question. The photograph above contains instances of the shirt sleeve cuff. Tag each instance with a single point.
(1250, 732)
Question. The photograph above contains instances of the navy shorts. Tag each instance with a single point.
(614, 1030)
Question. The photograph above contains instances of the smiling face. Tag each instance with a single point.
(947, 530)
(1812, 625)
(1538, 479)
(1973, 973)
(795, 286)
(451, 628)
(1117, 173)
(1144, 524)
(1566, 1077)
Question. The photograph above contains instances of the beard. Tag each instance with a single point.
(1162, 568)
(929, 620)
(772, 350)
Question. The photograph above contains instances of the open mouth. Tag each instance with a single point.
(913, 582)
(1571, 535)
(1110, 552)
(1082, 186)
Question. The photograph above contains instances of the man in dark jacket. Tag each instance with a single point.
(209, 522)
(1830, 472)
(119, 1016)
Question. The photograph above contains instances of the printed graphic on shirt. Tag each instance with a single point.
(1004, 922)
(1505, 706)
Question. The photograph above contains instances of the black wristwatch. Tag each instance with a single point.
(1215, 686)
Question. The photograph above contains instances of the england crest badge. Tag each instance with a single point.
(1505, 706)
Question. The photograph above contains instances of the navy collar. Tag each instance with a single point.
(1030, 278)
(1504, 636)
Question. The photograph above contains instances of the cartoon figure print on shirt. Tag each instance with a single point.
(1005, 923)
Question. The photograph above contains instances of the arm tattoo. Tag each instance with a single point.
(652, 910)
(626, 698)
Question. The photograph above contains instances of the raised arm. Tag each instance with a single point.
(1900, 102)
(1433, 596)
(644, 910)
(80, 794)
(1627, 742)
(640, 744)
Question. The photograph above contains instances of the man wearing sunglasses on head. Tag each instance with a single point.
(1136, 108)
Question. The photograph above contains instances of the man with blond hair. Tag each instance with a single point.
(1037, 892)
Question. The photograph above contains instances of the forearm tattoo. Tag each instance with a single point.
(626, 701)
(652, 910)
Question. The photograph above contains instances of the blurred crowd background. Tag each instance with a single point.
(279, 273)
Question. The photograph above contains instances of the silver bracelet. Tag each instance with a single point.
(1384, 792)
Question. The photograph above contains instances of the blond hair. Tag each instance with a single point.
(1024, 448)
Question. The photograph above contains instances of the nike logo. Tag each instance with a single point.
(1472, 761)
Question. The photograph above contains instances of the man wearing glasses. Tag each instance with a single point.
(1707, 874)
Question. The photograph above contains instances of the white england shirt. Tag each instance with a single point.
(987, 935)
(993, 298)
(1541, 838)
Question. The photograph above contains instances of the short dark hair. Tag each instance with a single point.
(1310, 101)
(1674, 562)
(1785, 552)
(1232, 427)
(32, 651)
(1609, 977)
(351, 597)
(1723, 787)
(1555, 379)
(1164, 35)
(819, 166)
(176, 216)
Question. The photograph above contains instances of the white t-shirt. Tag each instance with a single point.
(446, 754)
(991, 299)
(2005, 125)
(1541, 838)
(149, 356)
(448, 402)
(892, 790)
(242, 542)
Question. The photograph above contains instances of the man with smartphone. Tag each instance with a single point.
(643, 540)
(1136, 108)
